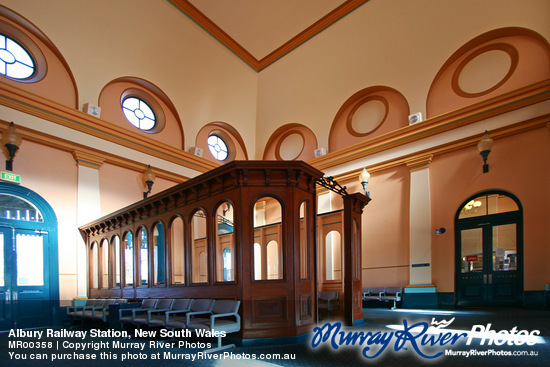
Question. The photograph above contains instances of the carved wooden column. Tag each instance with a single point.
(353, 305)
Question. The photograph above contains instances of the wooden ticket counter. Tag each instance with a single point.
(245, 230)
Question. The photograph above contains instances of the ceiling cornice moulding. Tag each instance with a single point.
(201, 19)
(46, 109)
(511, 101)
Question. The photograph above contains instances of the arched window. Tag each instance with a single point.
(177, 252)
(225, 243)
(114, 261)
(333, 256)
(158, 255)
(199, 247)
(104, 261)
(128, 252)
(143, 257)
(94, 268)
(268, 260)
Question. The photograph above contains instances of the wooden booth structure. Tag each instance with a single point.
(245, 230)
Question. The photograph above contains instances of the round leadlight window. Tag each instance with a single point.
(139, 113)
(15, 61)
(218, 147)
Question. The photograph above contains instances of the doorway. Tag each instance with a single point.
(489, 251)
(29, 284)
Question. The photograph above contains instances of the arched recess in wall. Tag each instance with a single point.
(236, 150)
(489, 65)
(368, 113)
(52, 78)
(167, 129)
(291, 142)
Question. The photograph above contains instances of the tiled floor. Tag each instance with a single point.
(383, 325)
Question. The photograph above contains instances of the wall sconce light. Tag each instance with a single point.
(149, 179)
(364, 179)
(484, 146)
(11, 140)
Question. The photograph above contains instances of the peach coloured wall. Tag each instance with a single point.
(120, 187)
(516, 165)
(205, 81)
(385, 226)
(403, 50)
(52, 174)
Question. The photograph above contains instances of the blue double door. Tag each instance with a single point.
(25, 289)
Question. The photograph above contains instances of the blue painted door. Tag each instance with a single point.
(25, 288)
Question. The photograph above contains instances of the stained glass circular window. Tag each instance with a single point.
(218, 147)
(15, 61)
(139, 113)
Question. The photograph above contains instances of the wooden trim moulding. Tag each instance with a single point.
(87, 156)
(202, 20)
(505, 103)
(40, 107)
(520, 127)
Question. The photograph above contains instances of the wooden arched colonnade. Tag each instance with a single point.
(208, 238)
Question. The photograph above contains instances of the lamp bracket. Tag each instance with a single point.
(330, 183)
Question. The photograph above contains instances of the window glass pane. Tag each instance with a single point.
(104, 251)
(177, 252)
(139, 113)
(30, 263)
(115, 262)
(227, 265)
(333, 256)
(128, 247)
(505, 248)
(158, 255)
(15, 61)
(268, 255)
(501, 204)
(257, 261)
(472, 250)
(273, 262)
(12, 207)
(218, 147)
(95, 265)
(488, 204)
(225, 244)
(304, 239)
(199, 248)
(143, 257)
(474, 208)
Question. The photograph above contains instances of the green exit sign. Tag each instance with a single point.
(11, 177)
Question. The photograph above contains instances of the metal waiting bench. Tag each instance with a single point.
(384, 294)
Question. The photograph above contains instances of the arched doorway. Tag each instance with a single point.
(489, 250)
(29, 281)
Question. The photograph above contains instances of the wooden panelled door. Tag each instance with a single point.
(489, 256)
